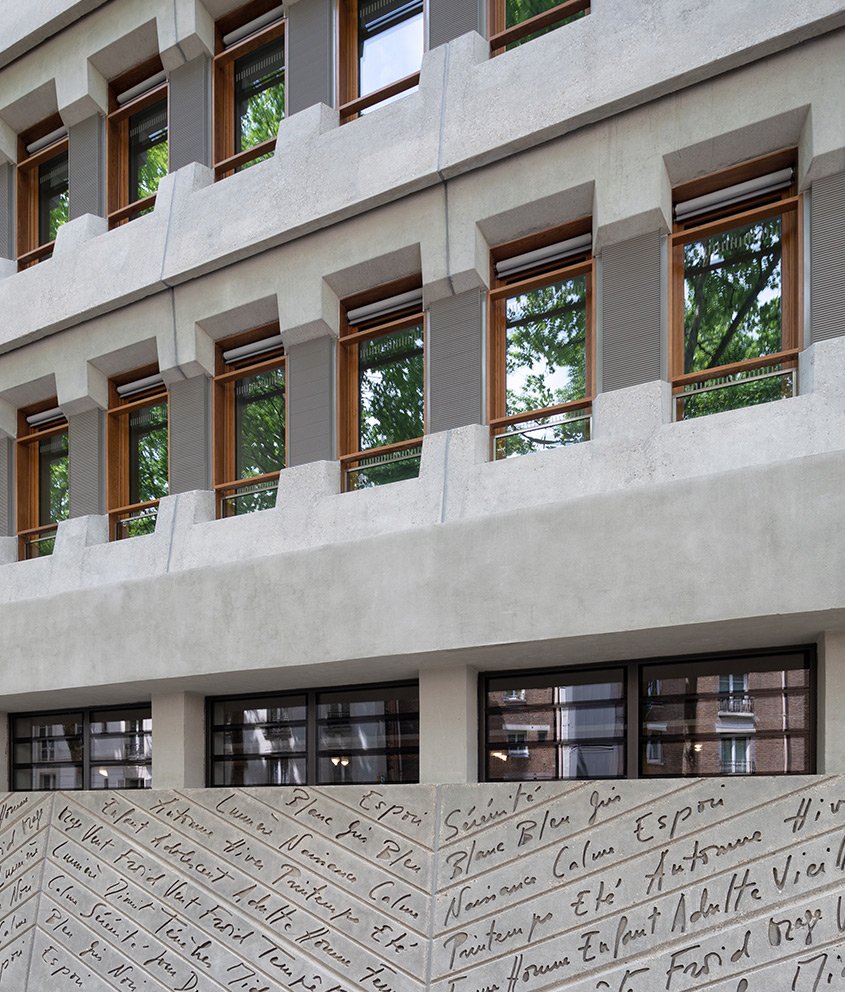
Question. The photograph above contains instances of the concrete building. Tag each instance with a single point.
(399, 395)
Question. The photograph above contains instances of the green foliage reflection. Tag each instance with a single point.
(519, 11)
(148, 476)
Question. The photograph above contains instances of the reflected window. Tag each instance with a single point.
(43, 190)
(735, 286)
(84, 749)
(43, 478)
(382, 358)
(383, 44)
(138, 149)
(555, 725)
(138, 452)
(368, 735)
(250, 419)
(249, 88)
(513, 22)
(744, 715)
(541, 344)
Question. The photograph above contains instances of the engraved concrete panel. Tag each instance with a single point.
(724, 884)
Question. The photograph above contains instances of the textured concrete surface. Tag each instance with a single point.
(675, 886)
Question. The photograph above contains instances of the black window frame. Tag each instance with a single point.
(88, 763)
(312, 751)
(635, 761)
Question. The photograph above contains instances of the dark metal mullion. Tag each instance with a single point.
(311, 765)
(632, 722)
(86, 749)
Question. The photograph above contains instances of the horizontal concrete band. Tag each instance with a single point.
(642, 886)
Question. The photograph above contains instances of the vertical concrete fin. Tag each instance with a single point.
(309, 76)
(190, 435)
(455, 361)
(86, 450)
(631, 326)
(7, 524)
(448, 19)
(86, 167)
(7, 210)
(310, 393)
(189, 127)
(827, 257)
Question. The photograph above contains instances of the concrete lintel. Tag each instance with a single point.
(81, 387)
(81, 91)
(8, 144)
(307, 311)
(8, 419)
(179, 721)
(185, 31)
(76, 232)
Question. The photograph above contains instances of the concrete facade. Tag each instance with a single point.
(655, 539)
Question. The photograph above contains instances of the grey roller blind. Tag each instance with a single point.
(631, 326)
(86, 157)
(7, 211)
(827, 258)
(310, 28)
(455, 361)
(190, 435)
(310, 406)
(189, 131)
(86, 451)
(449, 19)
(7, 524)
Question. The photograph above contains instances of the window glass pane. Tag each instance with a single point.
(517, 11)
(543, 433)
(390, 388)
(147, 150)
(556, 725)
(260, 423)
(121, 777)
(546, 347)
(260, 771)
(259, 710)
(390, 42)
(736, 716)
(148, 453)
(369, 768)
(732, 295)
(49, 778)
(53, 482)
(395, 466)
(259, 96)
(53, 198)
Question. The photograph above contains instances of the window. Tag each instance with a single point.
(382, 43)
(43, 191)
(83, 749)
(249, 86)
(249, 421)
(382, 387)
(137, 141)
(361, 735)
(137, 452)
(513, 22)
(555, 725)
(43, 492)
(735, 265)
(541, 342)
(579, 723)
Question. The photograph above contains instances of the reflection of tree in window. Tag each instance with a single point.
(148, 453)
(259, 433)
(519, 11)
(53, 488)
(390, 393)
(147, 151)
(53, 198)
(259, 97)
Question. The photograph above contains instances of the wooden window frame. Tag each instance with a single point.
(635, 758)
(117, 446)
(350, 104)
(348, 398)
(120, 208)
(87, 764)
(505, 287)
(30, 250)
(501, 36)
(226, 160)
(311, 699)
(786, 203)
(28, 483)
(223, 421)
